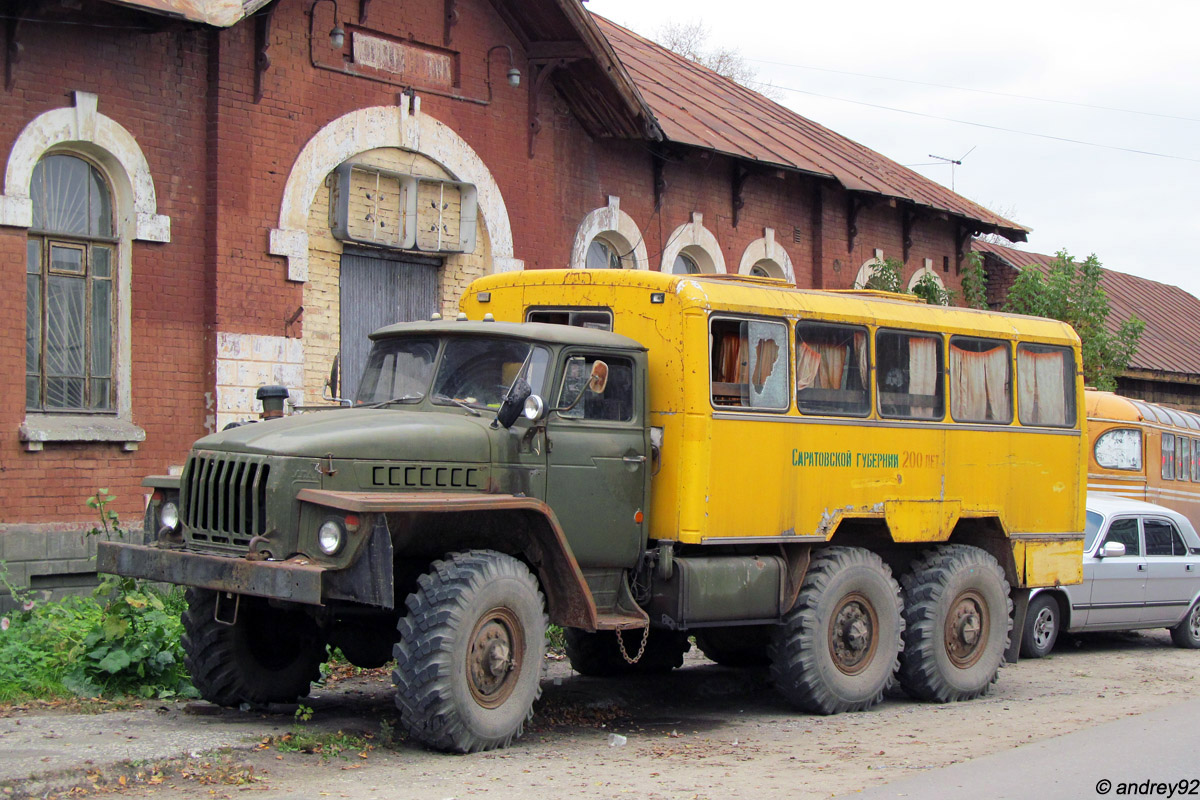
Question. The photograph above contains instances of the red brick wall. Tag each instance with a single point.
(220, 162)
(152, 84)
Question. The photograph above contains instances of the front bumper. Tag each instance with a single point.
(295, 581)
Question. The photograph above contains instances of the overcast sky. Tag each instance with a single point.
(1140, 62)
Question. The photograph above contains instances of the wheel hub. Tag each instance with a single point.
(966, 631)
(494, 657)
(852, 639)
(1042, 627)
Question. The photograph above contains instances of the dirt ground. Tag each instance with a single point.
(704, 731)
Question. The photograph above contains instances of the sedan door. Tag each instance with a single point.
(1118, 583)
(1172, 575)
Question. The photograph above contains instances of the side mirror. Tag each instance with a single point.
(1112, 550)
(596, 383)
(332, 383)
(514, 403)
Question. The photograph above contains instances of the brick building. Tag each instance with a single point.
(1166, 367)
(203, 196)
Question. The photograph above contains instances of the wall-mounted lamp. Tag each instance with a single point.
(513, 74)
(337, 36)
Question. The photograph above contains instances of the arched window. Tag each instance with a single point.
(71, 259)
(685, 265)
(602, 255)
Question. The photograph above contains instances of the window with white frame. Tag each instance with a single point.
(603, 254)
(71, 261)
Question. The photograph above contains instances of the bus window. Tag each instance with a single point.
(1168, 456)
(980, 380)
(749, 364)
(1183, 454)
(1045, 385)
(1119, 448)
(1196, 463)
(831, 369)
(909, 375)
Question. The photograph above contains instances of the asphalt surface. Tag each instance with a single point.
(1146, 755)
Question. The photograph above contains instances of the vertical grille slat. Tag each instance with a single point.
(224, 498)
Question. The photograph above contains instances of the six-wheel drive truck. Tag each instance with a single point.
(493, 477)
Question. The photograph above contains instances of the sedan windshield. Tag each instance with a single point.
(1091, 529)
(477, 371)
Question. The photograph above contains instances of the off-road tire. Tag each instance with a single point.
(269, 655)
(837, 648)
(736, 645)
(1043, 623)
(1187, 632)
(598, 655)
(946, 592)
(470, 655)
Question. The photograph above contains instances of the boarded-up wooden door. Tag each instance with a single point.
(377, 290)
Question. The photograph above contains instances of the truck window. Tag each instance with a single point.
(479, 370)
(397, 369)
(980, 380)
(1045, 385)
(616, 402)
(908, 369)
(832, 369)
(749, 364)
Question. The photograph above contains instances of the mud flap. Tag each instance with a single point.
(1020, 601)
(369, 579)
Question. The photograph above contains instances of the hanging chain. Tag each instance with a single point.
(641, 649)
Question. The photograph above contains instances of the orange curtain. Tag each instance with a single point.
(808, 364)
(766, 353)
(733, 368)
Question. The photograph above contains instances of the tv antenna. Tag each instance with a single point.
(953, 162)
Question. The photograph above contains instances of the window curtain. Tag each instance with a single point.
(733, 367)
(860, 353)
(979, 384)
(922, 372)
(808, 363)
(1041, 378)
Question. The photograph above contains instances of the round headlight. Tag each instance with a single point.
(168, 516)
(534, 407)
(330, 537)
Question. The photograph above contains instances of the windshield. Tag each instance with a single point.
(398, 370)
(1091, 529)
(478, 371)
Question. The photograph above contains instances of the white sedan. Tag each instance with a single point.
(1141, 569)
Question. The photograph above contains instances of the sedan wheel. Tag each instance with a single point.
(1042, 624)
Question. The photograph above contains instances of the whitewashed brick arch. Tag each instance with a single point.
(767, 253)
(927, 269)
(81, 128)
(614, 227)
(385, 126)
(697, 243)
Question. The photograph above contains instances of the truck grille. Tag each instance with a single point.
(224, 498)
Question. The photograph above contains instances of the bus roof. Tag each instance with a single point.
(1109, 406)
(755, 295)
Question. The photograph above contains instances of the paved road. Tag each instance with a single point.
(1135, 755)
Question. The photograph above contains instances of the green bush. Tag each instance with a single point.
(125, 639)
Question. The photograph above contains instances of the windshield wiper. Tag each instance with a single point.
(460, 404)
(402, 398)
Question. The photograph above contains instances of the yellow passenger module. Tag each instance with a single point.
(862, 418)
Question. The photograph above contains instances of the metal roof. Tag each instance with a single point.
(1171, 341)
(698, 107)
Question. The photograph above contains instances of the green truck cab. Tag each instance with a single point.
(488, 478)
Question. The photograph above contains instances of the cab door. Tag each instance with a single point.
(1172, 577)
(598, 459)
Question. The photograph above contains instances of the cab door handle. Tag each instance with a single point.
(1141, 567)
(634, 459)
